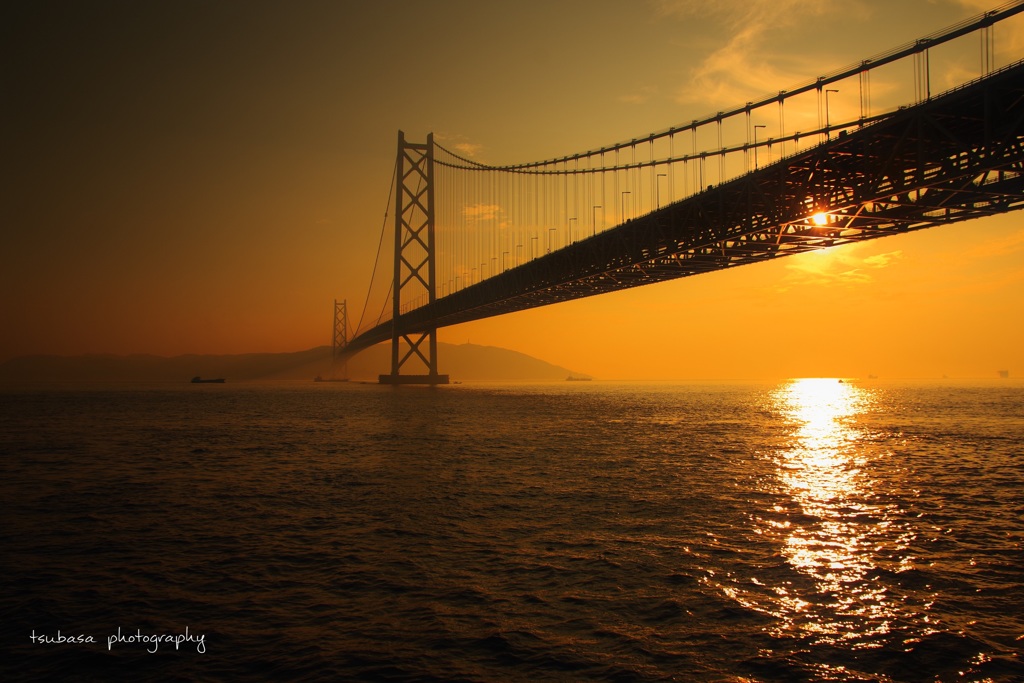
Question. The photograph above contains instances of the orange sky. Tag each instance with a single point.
(208, 177)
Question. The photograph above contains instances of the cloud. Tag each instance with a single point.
(739, 12)
(883, 260)
(760, 46)
(642, 97)
(468, 149)
(1003, 246)
(765, 16)
(843, 267)
(481, 212)
(459, 144)
(751, 58)
(978, 6)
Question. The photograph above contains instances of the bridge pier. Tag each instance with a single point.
(413, 379)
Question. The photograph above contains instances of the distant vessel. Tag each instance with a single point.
(199, 380)
(1004, 373)
(318, 378)
(573, 378)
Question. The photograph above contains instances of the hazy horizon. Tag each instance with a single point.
(379, 364)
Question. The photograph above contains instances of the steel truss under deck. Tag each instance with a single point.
(952, 158)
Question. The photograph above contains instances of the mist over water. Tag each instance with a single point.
(806, 530)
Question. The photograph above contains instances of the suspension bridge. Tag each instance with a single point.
(787, 173)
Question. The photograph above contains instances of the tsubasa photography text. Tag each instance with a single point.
(152, 641)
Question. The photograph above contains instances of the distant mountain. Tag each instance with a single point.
(461, 362)
(474, 362)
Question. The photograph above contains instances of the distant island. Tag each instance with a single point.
(461, 361)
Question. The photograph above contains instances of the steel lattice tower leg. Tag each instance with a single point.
(414, 261)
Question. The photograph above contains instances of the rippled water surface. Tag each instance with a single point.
(806, 530)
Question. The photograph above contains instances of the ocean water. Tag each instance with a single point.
(808, 530)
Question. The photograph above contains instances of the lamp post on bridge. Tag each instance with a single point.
(503, 266)
(622, 205)
(533, 242)
(755, 142)
(518, 247)
(594, 215)
(571, 240)
(657, 183)
(551, 239)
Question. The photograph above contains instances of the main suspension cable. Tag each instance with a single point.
(380, 244)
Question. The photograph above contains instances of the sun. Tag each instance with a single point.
(820, 218)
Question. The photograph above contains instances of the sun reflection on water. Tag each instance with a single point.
(823, 474)
(834, 526)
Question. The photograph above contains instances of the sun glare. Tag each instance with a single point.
(820, 218)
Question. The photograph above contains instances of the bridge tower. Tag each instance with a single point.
(415, 252)
(339, 340)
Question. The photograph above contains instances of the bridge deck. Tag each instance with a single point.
(952, 158)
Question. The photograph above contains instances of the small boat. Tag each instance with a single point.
(199, 380)
(573, 378)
